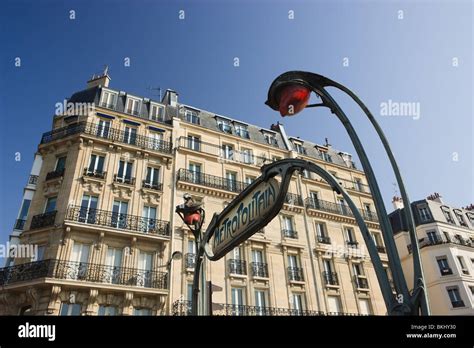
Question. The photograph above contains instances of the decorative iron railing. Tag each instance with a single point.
(295, 274)
(43, 220)
(212, 181)
(330, 278)
(237, 267)
(294, 199)
(335, 208)
(259, 269)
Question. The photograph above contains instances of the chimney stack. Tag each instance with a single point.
(397, 202)
(170, 98)
(435, 197)
(100, 80)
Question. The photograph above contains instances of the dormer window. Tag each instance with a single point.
(241, 131)
(460, 217)
(133, 106)
(191, 116)
(447, 215)
(300, 149)
(270, 139)
(108, 99)
(157, 112)
(224, 125)
(327, 157)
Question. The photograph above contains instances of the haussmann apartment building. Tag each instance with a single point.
(100, 205)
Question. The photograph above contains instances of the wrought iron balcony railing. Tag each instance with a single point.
(117, 220)
(259, 269)
(457, 304)
(295, 274)
(157, 186)
(81, 271)
(212, 181)
(124, 179)
(237, 267)
(108, 106)
(340, 209)
(190, 260)
(33, 180)
(289, 234)
(354, 185)
(438, 239)
(324, 239)
(294, 199)
(216, 150)
(112, 134)
(43, 220)
(360, 282)
(55, 174)
(330, 278)
(100, 174)
(352, 243)
(19, 224)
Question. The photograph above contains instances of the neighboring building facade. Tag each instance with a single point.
(446, 241)
(104, 214)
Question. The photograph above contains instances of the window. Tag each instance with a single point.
(231, 180)
(350, 237)
(119, 214)
(144, 272)
(68, 309)
(294, 272)
(152, 177)
(227, 152)
(321, 233)
(462, 265)
(241, 131)
(455, 297)
(156, 112)
(237, 253)
(40, 253)
(79, 261)
(330, 277)
(306, 174)
(190, 292)
(298, 303)
(50, 205)
(314, 196)
(103, 128)
(125, 172)
(358, 184)
(300, 149)
(334, 305)
(377, 239)
(224, 125)
(60, 164)
(195, 170)
(24, 209)
(460, 217)
(433, 237)
(343, 208)
(96, 165)
(327, 157)
(247, 156)
(155, 141)
(191, 116)
(130, 135)
(88, 210)
(108, 99)
(364, 306)
(194, 143)
(107, 310)
(141, 311)
(133, 106)
(113, 262)
(149, 219)
(446, 235)
(270, 139)
(238, 301)
(444, 266)
(358, 269)
(447, 215)
(260, 301)
(470, 216)
(249, 179)
(287, 227)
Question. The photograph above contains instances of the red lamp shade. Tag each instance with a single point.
(193, 218)
(293, 99)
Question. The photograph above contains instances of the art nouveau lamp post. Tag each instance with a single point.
(289, 94)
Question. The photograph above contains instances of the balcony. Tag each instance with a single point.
(33, 180)
(360, 282)
(446, 271)
(295, 274)
(99, 174)
(190, 260)
(237, 267)
(89, 272)
(438, 240)
(112, 134)
(55, 174)
(216, 150)
(108, 106)
(294, 199)
(19, 224)
(335, 208)
(43, 220)
(353, 185)
(152, 185)
(259, 269)
(128, 222)
(124, 180)
(211, 181)
(289, 234)
(183, 308)
(324, 239)
(330, 278)
(352, 244)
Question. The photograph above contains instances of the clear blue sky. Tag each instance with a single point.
(403, 60)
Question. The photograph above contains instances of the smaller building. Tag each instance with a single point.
(446, 241)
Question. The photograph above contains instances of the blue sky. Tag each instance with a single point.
(402, 60)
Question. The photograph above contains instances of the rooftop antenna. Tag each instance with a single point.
(155, 89)
(395, 189)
